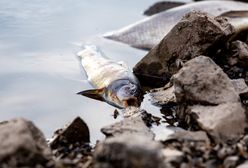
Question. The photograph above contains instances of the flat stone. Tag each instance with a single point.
(76, 132)
(130, 151)
(186, 40)
(172, 157)
(196, 136)
(163, 96)
(201, 81)
(22, 144)
(224, 123)
(131, 125)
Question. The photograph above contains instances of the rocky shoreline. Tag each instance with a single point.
(199, 79)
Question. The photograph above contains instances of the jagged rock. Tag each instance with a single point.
(201, 81)
(197, 136)
(163, 96)
(76, 132)
(224, 122)
(70, 145)
(128, 151)
(185, 41)
(239, 54)
(133, 124)
(22, 144)
(240, 87)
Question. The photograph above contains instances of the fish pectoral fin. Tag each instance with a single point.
(161, 6)
(235, 14)
(96, 94)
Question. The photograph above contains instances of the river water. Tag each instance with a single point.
(39, 72)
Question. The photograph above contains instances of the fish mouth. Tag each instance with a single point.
(131, 102)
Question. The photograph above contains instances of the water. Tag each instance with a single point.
(39, 73)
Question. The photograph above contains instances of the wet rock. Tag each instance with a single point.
(70, 145)
(22, 144)
(225, 122)
(199, 136)
(132, 124)
(163, 96)
(76, 132)
(185, 41)
(130, 151)
(201, 81)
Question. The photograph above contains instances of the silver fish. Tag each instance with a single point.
(148, 32)
(114, 82)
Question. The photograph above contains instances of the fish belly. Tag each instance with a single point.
(102, 71)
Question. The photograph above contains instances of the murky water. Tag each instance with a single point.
(39, 73)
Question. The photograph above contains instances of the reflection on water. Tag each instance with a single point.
(39, 74)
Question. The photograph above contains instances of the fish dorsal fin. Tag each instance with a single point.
(96, 94)
(161, 6)
(235, 14)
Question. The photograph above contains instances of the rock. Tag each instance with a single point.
(185, 41)
(76, 132)
(163, 96)
(161, 6)
(239, 54)
(197, 136)
(22, 144)
(240, 87)
(173, 157)
(133, 125)
(231, 162)
(70, 145)
(128, 151)
(201, 81)
(243, 165)
(225, 122)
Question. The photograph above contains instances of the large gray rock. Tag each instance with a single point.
(225, 122)
(205, 93)
(196, 34)
(22, 144)
(128, 151)
(201, 81)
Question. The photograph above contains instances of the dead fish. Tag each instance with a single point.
(148, 32)
(114, 82)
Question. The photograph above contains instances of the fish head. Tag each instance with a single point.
(124, 93)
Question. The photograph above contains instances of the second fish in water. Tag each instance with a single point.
(114, 83)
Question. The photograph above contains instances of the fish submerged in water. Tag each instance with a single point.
(114, 82)
(148, 32)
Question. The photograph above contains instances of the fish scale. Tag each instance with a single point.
(150, 31)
